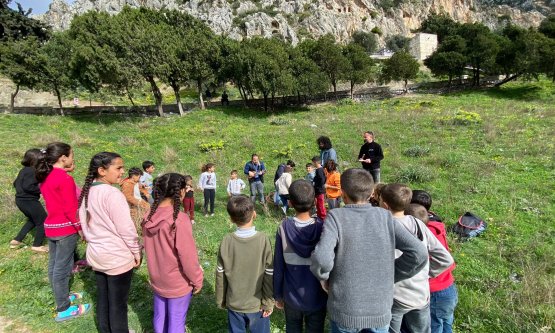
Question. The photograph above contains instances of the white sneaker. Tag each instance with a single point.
(192, 221)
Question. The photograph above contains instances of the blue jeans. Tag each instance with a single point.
(60, 263)
(284, 199)
(257, 189)
(442, 308)
(336, 328)
(416, 320)
(375, 175)
(314, 321)
(238, 322)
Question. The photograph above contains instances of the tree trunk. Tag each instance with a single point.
(59, 100)
(129, 96)
(157, 95)
(450, 80)
(406, 83)
(175, 88)
(507, 79)
(200, 100)
(265, 102)
(334, 83)
(352, 89)
(477, 76)
(299, 97)
(12, 99)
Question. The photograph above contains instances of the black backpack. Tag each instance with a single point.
(469, 226)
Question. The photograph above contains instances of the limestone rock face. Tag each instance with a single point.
(294, 20)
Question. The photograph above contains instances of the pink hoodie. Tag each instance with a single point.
(171, 254)
(112, 240)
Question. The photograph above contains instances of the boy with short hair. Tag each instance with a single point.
(423, 198)
(146, 179)
(412, 296)
(355, 258)
(235, 185)
(310, 173)
(245, 271)
(443, 291)
(295, 287)
(319, 187)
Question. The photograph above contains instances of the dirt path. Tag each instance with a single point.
(8, 325)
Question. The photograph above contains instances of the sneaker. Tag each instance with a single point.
(206, 215)
(15, 244)
(73, 311)
(192, 221)
(212, 214)
(76, 295)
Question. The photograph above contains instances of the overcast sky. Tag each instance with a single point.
(39, 6)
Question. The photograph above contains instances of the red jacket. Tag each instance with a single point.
(172, 258)
(446, 278)
(59, 192)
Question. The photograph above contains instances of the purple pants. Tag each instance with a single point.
(170, 314)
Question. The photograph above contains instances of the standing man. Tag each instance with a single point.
(370, 156)
(255, 170)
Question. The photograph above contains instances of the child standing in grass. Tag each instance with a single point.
(147, 178)
(173, 267)
(319, 187)
(189, 199)
(130, 189)
(207, 183)
(443, 291)
(62, 225)
(244, 272)
(235, 184)
(282, 187)
(113, 248)
(310, 174)
(27, 195)
(411, 304)
(333, 184)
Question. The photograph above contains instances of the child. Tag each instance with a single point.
(376, 195)
(443, 291)
(282, 186)
(244, 272)
(319, 187)
(113, 248)
(333, 184)
(355, 258)
(310, 173)
(423, 198)
(189, 199)
(235, 185)
(207, 183)
(295, 287)
(146, 179)
(61, 226)
(27, 195)
(130, 189)
(412, 296)
(173, 267)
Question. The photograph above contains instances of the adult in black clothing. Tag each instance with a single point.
(370, 156)
(27, 200)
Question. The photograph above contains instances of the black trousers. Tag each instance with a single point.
(36, 215)
(111, 301)
(209, 197)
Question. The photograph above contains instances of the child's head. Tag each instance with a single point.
(208, 167)
(330, 166)
(395, 197)
(241, 210)
(135, 174)
(377, 194)
(31, 157)
(148, 167)
(290, 163)
(418, 211)
(288, 169)
(188, 180)
(316, 161)
(233, 174)
(168, 186)
(309, 167)
(422, 197)
(356, 186)
(55, 153)
(301, 195)
(106, 167)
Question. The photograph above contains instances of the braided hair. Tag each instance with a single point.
(166, 186)
(100, 160)
(48, 157)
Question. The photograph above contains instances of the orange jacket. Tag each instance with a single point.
(333, 179)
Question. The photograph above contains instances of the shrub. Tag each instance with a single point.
(413, 174)
(417, 151)
(427, 104)
(284, 152)
(463, 118)
(373, 14)
(346, 101)
(377, 31)
(279, 121)
(212, 146)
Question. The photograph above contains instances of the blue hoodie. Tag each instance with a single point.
(294, 283)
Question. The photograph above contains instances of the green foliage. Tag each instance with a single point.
(346, 101)
(414, 174)
(284, 152)
(446, 63)
(463, 118)
(329, 57)
(16, 24)
(279, 121)
(400, 67)
(212, 146)
(417, 151)
(308, 78)
(440, 24)
(377, 31)
(366, 40)
(397, 43)
(359, 64)
(547, 26)
(18, 61)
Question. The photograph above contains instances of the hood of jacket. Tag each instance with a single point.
(162, 216)
(302, 240)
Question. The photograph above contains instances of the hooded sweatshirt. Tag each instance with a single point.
(294, 283)
(172, 258)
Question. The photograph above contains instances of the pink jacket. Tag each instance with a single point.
(112, 240)
(171, 254)
(58, 190)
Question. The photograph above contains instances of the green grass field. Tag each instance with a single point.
(489, 152)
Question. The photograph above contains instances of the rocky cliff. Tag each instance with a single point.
(297, 19)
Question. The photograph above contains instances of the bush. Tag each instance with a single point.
(285, 152)
(279, 121)
(463, 118)
(414, 174)
(417, 151)
(377, 31)
(212, 146)
(346, 101)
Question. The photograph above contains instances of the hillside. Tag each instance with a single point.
(295, 20)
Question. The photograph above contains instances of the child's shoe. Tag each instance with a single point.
(15, 244)
(212, 214)
(73, 311)
(40, 249)
(192, 221)
(73, 296)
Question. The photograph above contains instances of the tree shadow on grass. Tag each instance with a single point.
(526, 92)
(107, 119)
(259, 113)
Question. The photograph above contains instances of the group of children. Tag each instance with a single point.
(365, 267)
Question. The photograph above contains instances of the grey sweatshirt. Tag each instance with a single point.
(356, 254)
(414, 293)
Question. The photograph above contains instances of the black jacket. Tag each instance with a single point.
(374, 152)
(26, 185)
(319, 181)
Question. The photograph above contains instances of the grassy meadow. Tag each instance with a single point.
(490, 152)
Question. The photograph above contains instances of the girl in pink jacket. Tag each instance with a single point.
(175, 273)
(113, 248)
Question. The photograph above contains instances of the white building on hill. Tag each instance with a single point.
(423, 45)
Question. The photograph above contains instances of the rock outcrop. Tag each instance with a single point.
(298, 19)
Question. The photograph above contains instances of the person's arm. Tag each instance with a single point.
(279, 268)
(288, 180)
(29, 183)
(262, 168)
(201, 181)
(187, 251)
(242, 184)
(323, 256)
(215, 181)
(333, 155)
(68, 191)
(414, 255)
(379, 153)
(246, 169)
(361, 152)
(125, 227)
(221, 281)
(229, 187)
(440, 258)
(267, 301)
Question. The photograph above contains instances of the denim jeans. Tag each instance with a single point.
(314, 321)
(60, 263)
(336, 328)
(442, 308)
(209, 197)
(417, 320)
(112, 293)
(333, 203)
(375, 175)
(238, 322)
(284, 202)
(257, 189)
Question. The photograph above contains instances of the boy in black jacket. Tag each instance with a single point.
(319, 187)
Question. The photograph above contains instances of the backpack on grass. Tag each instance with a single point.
(469, 226)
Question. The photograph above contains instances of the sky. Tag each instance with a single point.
(39, 6)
